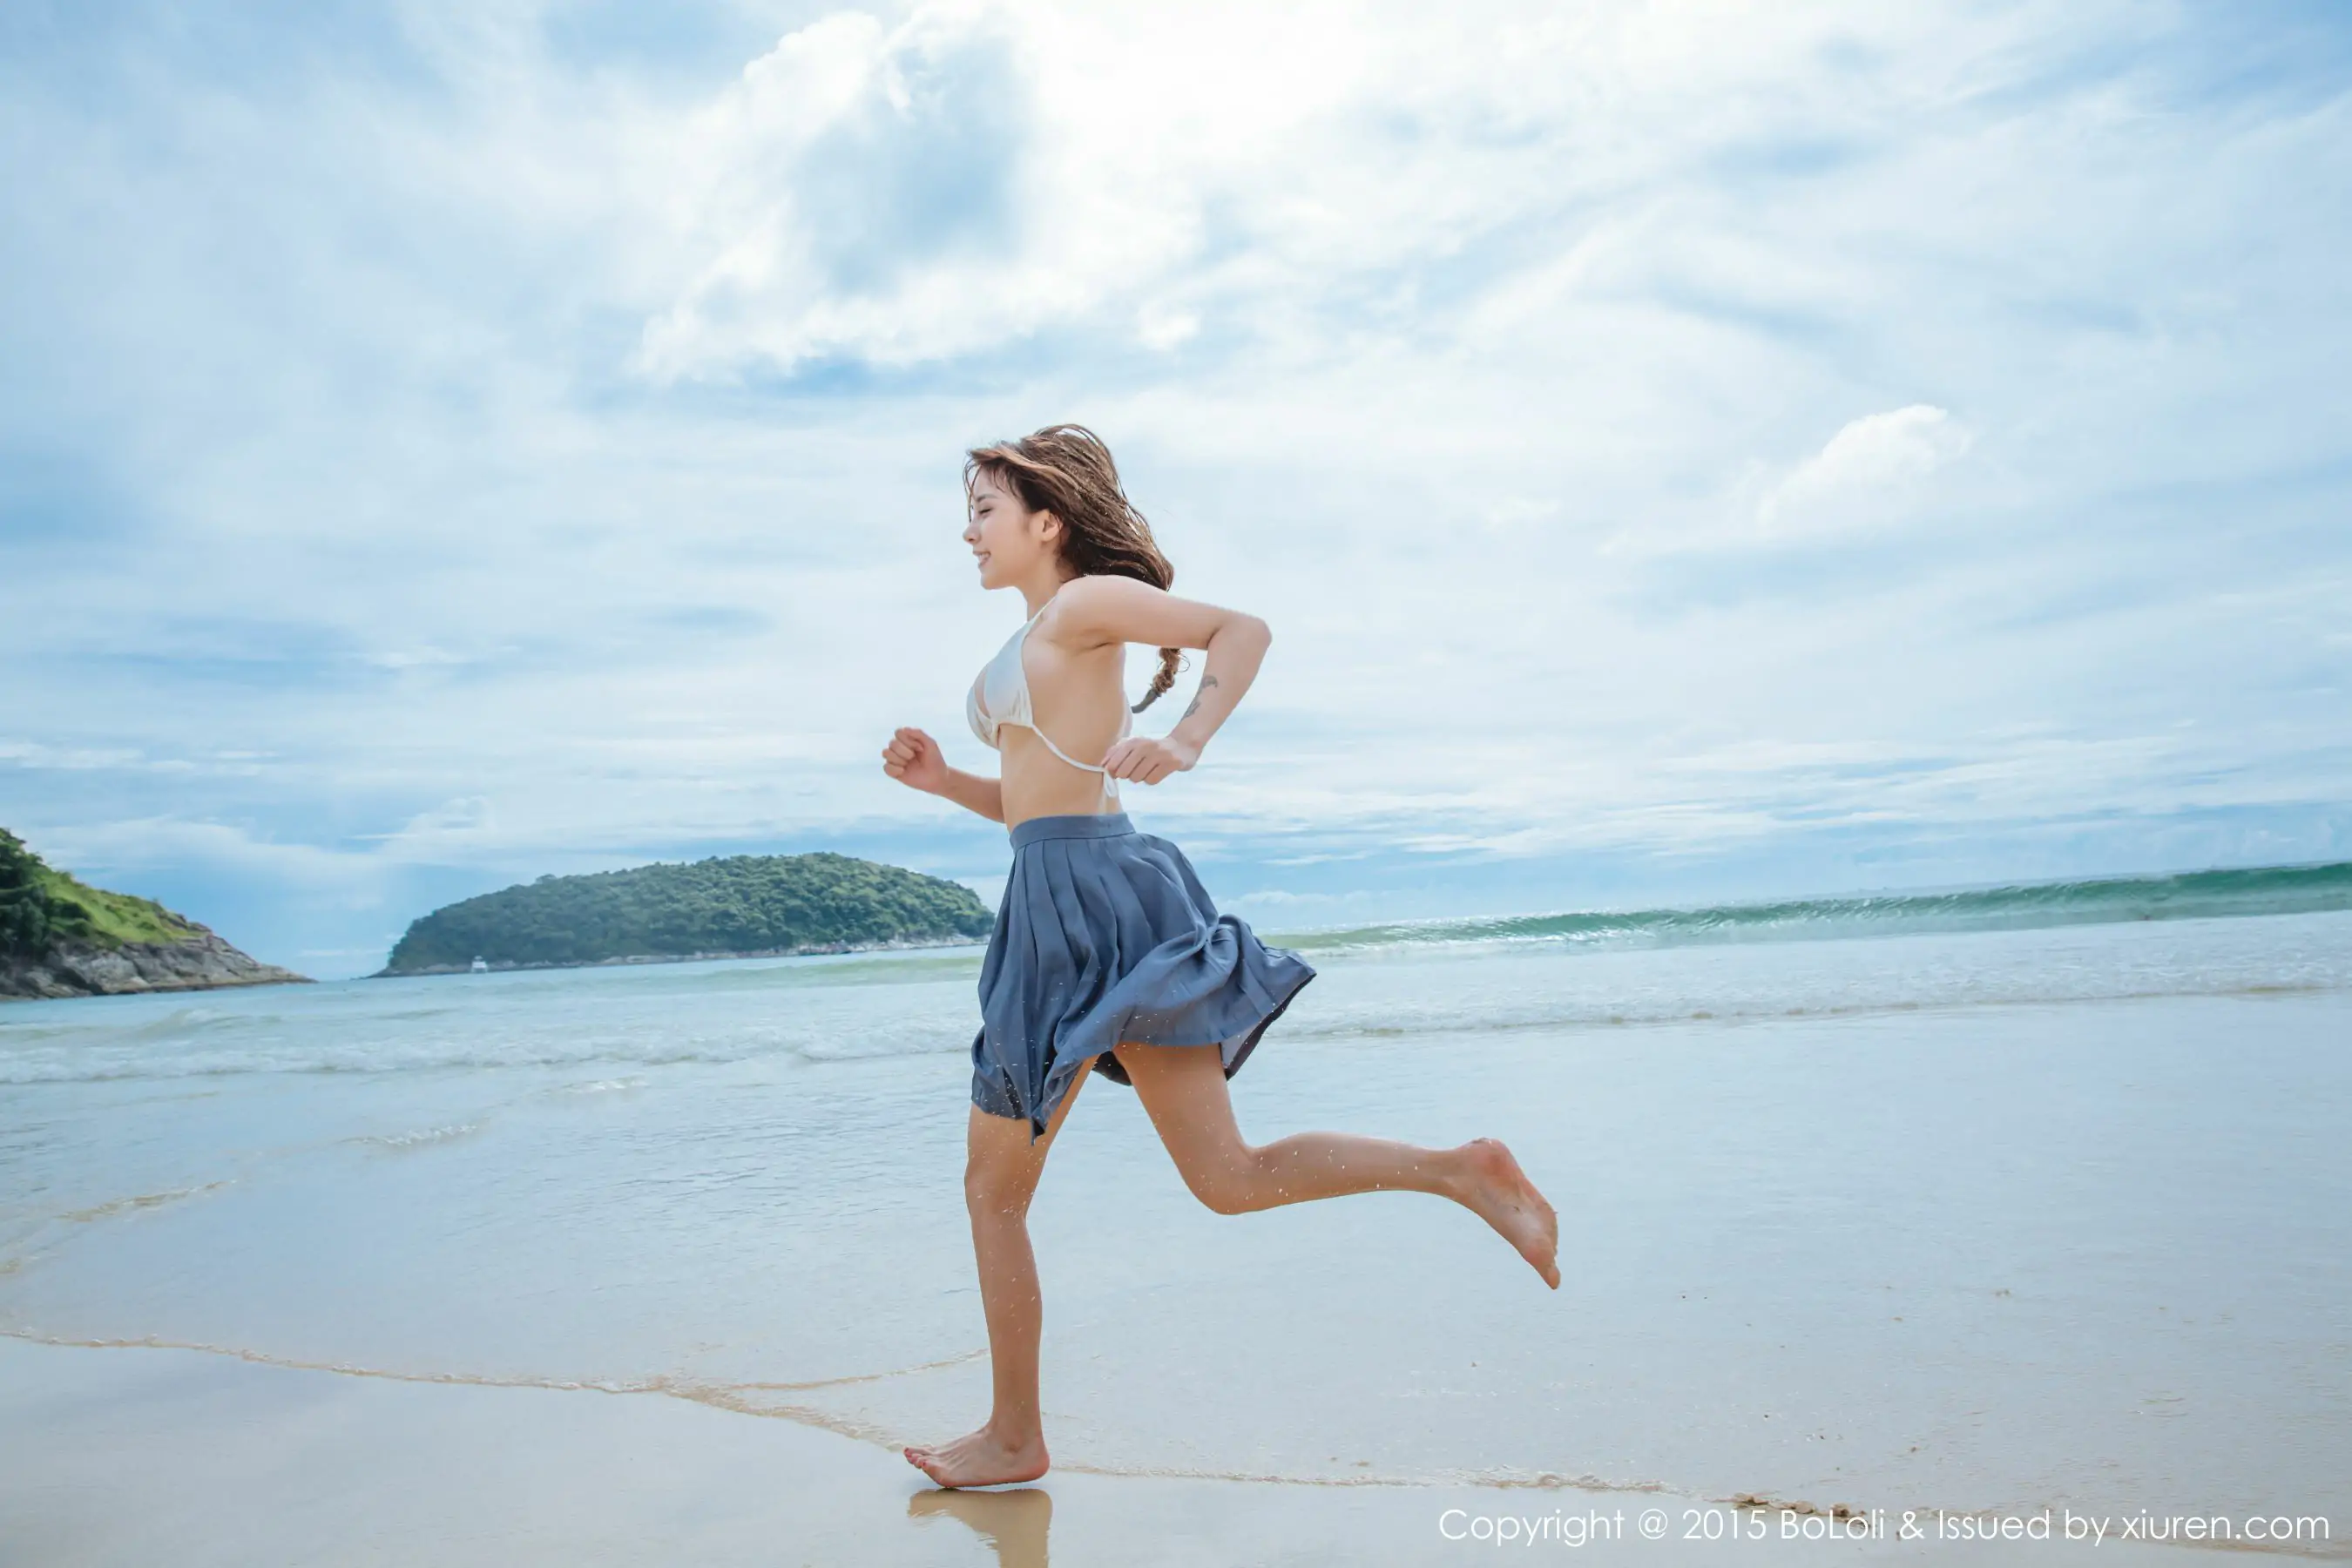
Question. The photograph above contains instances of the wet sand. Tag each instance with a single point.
(140, 1457)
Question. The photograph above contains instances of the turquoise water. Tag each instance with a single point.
(1953, 1218)
(2195, 895)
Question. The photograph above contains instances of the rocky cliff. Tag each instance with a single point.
(202, 962)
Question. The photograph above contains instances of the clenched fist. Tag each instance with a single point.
(914, 759)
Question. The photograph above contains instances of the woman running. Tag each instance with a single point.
(1108, 952)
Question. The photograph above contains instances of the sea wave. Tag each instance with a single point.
(139, 1201)
(2195, 895)
(420, 1137)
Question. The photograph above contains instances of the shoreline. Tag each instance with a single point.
(805, 950)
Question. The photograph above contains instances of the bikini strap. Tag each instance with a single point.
(1090, 767)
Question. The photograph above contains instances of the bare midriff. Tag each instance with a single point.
(1039, 784)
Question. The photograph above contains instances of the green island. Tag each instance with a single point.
(742, 906)
(62, 937)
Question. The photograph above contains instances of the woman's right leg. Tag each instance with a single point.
(1000, 1171)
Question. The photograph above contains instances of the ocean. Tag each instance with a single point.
(1992, 1201)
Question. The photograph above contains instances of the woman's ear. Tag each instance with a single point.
(1048, 525)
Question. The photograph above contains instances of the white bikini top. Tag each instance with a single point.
(1000, 697)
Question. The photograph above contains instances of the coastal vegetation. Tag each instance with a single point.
(41, 906)
(738, 906)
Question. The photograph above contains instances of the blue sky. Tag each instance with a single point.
(1685, 451)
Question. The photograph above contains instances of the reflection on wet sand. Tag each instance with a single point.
(1014, 1522)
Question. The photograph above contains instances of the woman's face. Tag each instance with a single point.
(1007, 539)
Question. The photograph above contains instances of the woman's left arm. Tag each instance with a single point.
(1119, 609)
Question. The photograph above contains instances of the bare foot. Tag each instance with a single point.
(1499, 1192)
(978, 1459)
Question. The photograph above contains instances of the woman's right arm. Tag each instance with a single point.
(914, 759)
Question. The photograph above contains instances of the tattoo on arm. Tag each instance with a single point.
(1206, 682)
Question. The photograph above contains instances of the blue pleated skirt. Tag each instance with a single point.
(1107, 936)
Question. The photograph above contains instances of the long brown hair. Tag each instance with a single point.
(1065, 469)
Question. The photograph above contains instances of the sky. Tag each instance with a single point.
(1685, 451)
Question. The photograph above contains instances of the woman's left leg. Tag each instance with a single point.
(1184, 1091)
(1000, 1171)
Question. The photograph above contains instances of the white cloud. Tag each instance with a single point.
(1160, 328)
(1869, 473)
(909, 192)
(984, 169)
(164, 841)
(447, 833)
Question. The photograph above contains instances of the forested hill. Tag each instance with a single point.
(740, 907)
